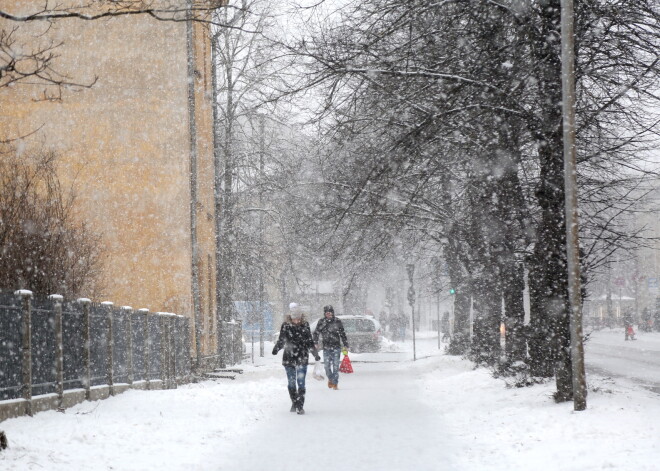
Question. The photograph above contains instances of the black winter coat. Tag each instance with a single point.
(332, 331)
(297, 343)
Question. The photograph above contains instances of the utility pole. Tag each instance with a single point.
(192, 130)
(608, 296)
(217, 204)
(570, 184)
(262, 151)
(438, 314)
(411, 300)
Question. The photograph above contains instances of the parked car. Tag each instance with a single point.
(364, 332)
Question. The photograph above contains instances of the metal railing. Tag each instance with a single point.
(49, 346)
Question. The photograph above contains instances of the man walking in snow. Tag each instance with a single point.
(332, 332)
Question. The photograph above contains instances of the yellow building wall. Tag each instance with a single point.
(125, 147)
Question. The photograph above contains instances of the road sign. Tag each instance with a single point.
(652, 283)
(411, 271)
(411, 296)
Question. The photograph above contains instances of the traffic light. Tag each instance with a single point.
(452, 291)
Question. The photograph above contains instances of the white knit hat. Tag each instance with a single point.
(295, 311)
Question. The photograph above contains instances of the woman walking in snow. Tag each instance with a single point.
(296, 340)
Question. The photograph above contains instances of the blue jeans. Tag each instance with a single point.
(295, 375)
(331, 363)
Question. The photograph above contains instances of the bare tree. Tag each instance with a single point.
(43, 247)
(474, 89)
(246, 70)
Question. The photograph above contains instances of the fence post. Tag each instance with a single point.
(87, 345)
(169, 336)
(110, 373)
(128, 311)
(26, 331)
(231, 345)
(146, 346)
(57, 299)
(238, 345)
(175, 335)
(172, 350)
(162, 322)
(187, 348)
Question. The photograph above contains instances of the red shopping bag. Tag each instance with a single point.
(345, 366)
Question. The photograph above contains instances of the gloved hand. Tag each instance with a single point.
(317, 358)
(345, 351)
(275, 351)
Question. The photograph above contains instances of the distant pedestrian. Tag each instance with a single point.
(296, 340)
(384, 320)
(646, 324)
(395, 326)
(628, 325)
(331, 331)
(445, 327)
(399, 323)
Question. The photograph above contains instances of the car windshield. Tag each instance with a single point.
(358, 325)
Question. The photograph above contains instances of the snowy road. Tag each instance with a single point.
(392, 414)
(608, 353)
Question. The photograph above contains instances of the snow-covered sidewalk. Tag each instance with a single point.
(437, 413)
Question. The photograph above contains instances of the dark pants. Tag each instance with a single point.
(331, 363)
(295, 376)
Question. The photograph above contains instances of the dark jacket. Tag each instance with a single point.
(332, 331)
(296, 340)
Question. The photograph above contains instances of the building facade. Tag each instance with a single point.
(135, 142)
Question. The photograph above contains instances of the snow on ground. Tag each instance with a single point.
(437, 413)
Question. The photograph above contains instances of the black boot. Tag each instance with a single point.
(294, 400)
(301, 401)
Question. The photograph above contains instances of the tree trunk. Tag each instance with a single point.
(460, 340)
(514, 312)
(485, 346)
(548, 271)
(511, 207)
